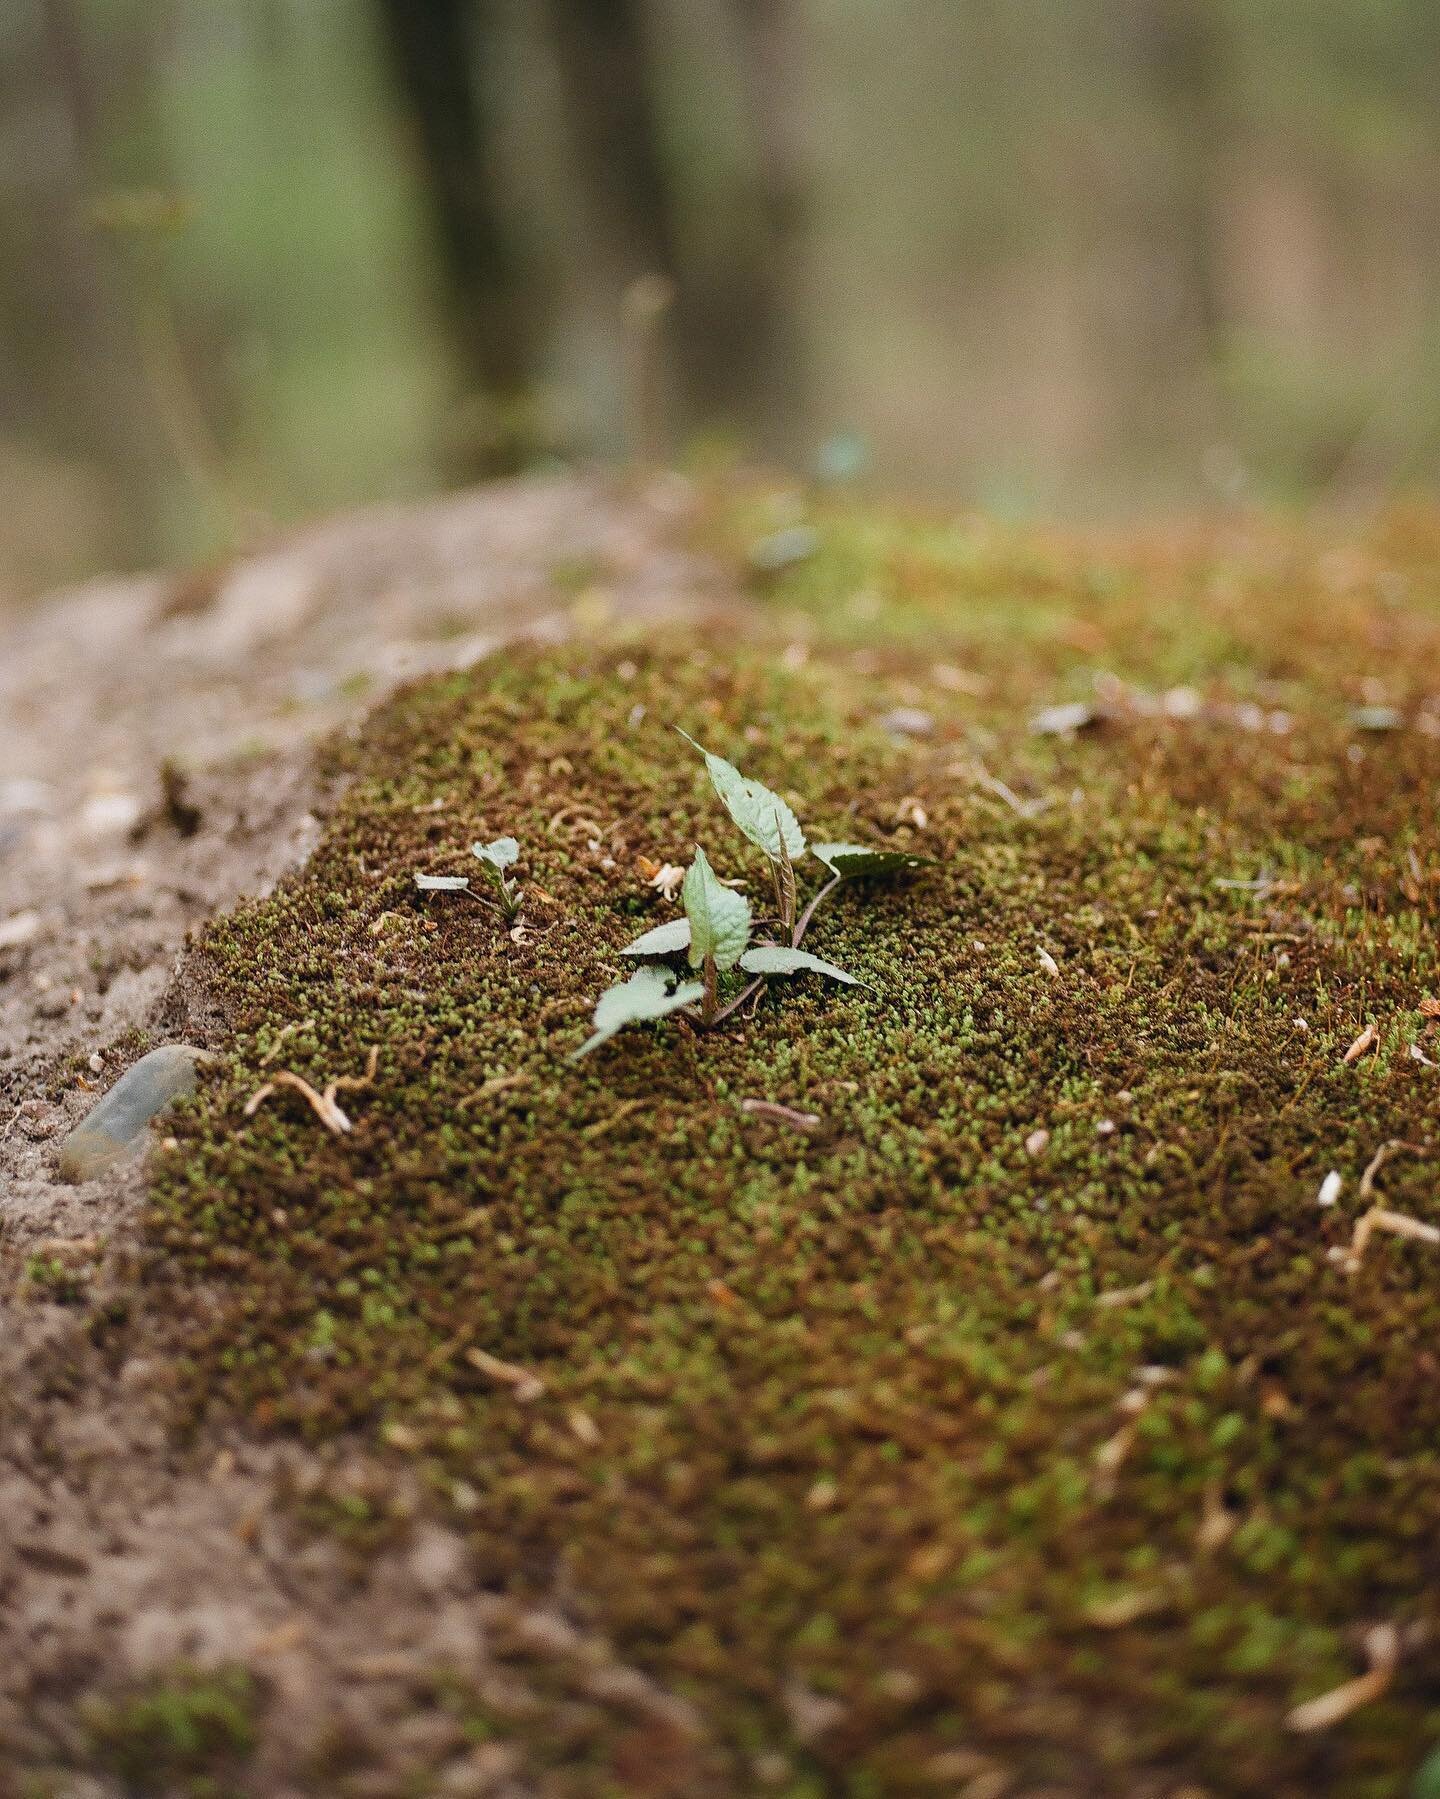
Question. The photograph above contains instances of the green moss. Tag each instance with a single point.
(48, 1278)
(849, 1411)
(188, 1733)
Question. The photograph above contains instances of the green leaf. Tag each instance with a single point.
(499, 854)
(645, 996)
(442, 883)
(762, 815)
(664, 940)
(853, 861)
(1427, 1778)
(770, 958)
(719, 917)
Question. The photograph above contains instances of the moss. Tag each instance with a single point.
(48, 1278)
(1082, 1459)
(189, 1732)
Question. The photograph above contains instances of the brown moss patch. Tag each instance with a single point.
(1080, 1461)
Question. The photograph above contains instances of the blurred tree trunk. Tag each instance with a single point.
(734, 315)
(70, 377)
(1189, 59)
(760, 300)
(444, 56)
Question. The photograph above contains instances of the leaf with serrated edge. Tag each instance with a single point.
(762, 815)
(719, 917)
(499, 854)
(645, 996)
(442, 883)
(770, 958)
(853, 861)
(664, 940)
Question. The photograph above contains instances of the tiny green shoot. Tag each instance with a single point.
(495, 857)
(715, 933)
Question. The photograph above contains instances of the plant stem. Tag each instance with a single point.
(809, 912)
(707, 1004)
(739, 1000)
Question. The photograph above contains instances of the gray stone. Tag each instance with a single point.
(114, 1129)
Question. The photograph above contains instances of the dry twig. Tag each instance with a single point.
(525, 1385)
(1382, 1651)
(324, 1105)
(769, 1108)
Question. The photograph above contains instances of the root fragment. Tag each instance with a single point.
(324, 1105)
(1382, 1650)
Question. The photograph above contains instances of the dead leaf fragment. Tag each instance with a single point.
(1116, 1612)
(583, 1427)
(525, 1385)
(770, 1108)
(665, 878)
(1125, 1296)
(1217, 1522)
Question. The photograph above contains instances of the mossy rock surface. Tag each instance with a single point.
(1015, 1420)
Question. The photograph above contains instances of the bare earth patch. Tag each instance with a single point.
(155, 765)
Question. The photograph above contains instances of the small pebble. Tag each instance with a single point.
(1376, 718)
(907, 721)
(20, 927)
(1063, 720)
(114, 1129)
(793, 543)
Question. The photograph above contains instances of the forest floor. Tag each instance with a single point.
(965, 1383)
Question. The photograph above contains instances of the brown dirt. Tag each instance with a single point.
(121, 1558)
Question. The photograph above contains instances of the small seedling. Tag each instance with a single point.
(715, 931)
(719, 920)
(649, 993)
(766, 820)
(495, 857)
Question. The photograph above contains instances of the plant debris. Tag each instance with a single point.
(324, 1105)
(1382, 1651)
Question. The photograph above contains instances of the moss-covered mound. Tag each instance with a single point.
(1020, 1421)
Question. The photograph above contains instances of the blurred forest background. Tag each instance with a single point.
(1071, 257)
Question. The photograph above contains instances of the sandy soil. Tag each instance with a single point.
(121, 1555)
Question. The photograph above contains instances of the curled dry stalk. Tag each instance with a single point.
(782, 871)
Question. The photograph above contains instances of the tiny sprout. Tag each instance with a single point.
(496, 857)
(715, 933)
